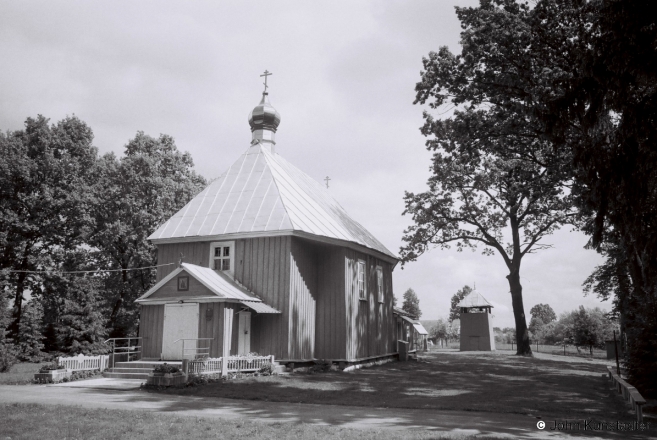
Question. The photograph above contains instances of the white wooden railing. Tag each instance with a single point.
(82, 362)
(234, 364)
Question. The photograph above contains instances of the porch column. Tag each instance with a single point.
(228, 336)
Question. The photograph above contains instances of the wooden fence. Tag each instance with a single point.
(82, 362)
(234, 364)
(629, 393)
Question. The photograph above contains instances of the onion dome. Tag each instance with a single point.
(264, 120)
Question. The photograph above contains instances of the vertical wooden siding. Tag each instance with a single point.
(195, 253)
(370, 324)
(214, 327)
(303, 293)
(262, 265)
(151, 327)
(331, 324)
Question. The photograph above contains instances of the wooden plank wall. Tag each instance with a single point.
(210, 325)
(303, 294)
(170, 289)
(262, 265)
(370, 323)
(331, 324)
(151, 327)
(195, 253)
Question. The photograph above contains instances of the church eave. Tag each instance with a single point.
(301, 234)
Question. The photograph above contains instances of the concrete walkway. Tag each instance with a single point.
(100, 393)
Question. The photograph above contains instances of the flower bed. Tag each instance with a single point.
(52, 373)
(166, 375)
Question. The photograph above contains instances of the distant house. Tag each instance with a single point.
(476, 323)
(411, 330)
(272, 264)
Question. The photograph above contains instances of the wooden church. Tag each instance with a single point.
(272, 264)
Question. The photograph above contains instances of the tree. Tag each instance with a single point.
(543, 312)
(591, 328)
(44, 172)
(542, 315)
(29, 341)
(439, 331)
(495, 181)
(454, 312)
(412, 304)
(81, 326)
(597, 100)
(584, 72)
(134, 195)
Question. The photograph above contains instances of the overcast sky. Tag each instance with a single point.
(343, 81)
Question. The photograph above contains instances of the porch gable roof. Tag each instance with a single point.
(218, 283)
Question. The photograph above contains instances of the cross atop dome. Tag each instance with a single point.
(264, 118)
(266, 74)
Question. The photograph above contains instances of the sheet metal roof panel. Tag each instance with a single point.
(474, 299)
(262, 192)
(260, 307)
(220, 283)
(420, 329)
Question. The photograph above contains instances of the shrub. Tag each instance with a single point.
(166, 368)
(267, 368)
(50, 367)
(321, 366)
(7, 357)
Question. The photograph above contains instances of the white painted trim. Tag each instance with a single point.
(195, 299)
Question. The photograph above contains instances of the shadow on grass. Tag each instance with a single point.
(491, 386)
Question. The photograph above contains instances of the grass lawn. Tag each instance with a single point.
(20, 374)
(21, 421)
(497, 382)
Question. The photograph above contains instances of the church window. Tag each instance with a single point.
(379, 282)
(221, 256)
(361, 279)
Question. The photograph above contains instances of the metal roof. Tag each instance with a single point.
(474, 299)
(260, 307)
(262, 192)
(218, 283)
(420, 329)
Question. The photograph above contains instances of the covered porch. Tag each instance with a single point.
(196, 312)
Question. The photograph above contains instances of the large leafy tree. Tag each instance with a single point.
(485, 190)
(45, 171)
(604, 110)
(134, 195)
(496, 180)
(584, 72)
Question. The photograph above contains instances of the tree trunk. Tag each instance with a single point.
(18, 297)
(522, 335)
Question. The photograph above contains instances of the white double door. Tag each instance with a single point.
(180, 322)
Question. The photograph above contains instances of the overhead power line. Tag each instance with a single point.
(87, 271)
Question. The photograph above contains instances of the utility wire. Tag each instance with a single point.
(87, 271)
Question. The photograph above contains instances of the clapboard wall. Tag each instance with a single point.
(194, 253)
(211, 325)
(262, 265)
(370, 324)
(314, 285)
(331, 322)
